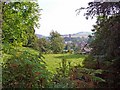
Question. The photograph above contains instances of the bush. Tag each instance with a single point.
(24, 70)
(68, 76)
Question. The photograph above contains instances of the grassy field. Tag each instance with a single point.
(53, 60)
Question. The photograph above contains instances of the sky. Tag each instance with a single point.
(60, 16)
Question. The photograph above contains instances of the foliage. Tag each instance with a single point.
(24, 70)
(56, 42)
(19, 20)
(43, 45)
(68, 76)
(104, 8)
(60, 79)
(105, 47)
(22, 67)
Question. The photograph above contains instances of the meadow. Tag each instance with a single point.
(53, 61)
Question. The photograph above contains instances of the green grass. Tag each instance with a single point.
(53, 60)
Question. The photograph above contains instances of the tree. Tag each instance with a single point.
(19, 21)
(21, 67)
(43, 45)
(105, 53)
(57, 43)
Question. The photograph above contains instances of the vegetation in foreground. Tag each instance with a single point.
(23, 68)
(29, 70)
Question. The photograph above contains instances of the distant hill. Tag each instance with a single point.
(75, 35)
(40, 36)
(79, 34)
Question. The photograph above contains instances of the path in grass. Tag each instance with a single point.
(53, 60)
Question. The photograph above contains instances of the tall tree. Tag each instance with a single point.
(57, 42)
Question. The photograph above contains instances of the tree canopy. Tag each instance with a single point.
(57, 42)
(19, 21)
(105, 52)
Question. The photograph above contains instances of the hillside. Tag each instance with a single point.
(74, 35)
(79, 34)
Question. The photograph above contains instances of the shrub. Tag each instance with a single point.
(24, 70)
(68, 76)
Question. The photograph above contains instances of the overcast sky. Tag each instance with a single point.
(60, 15)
